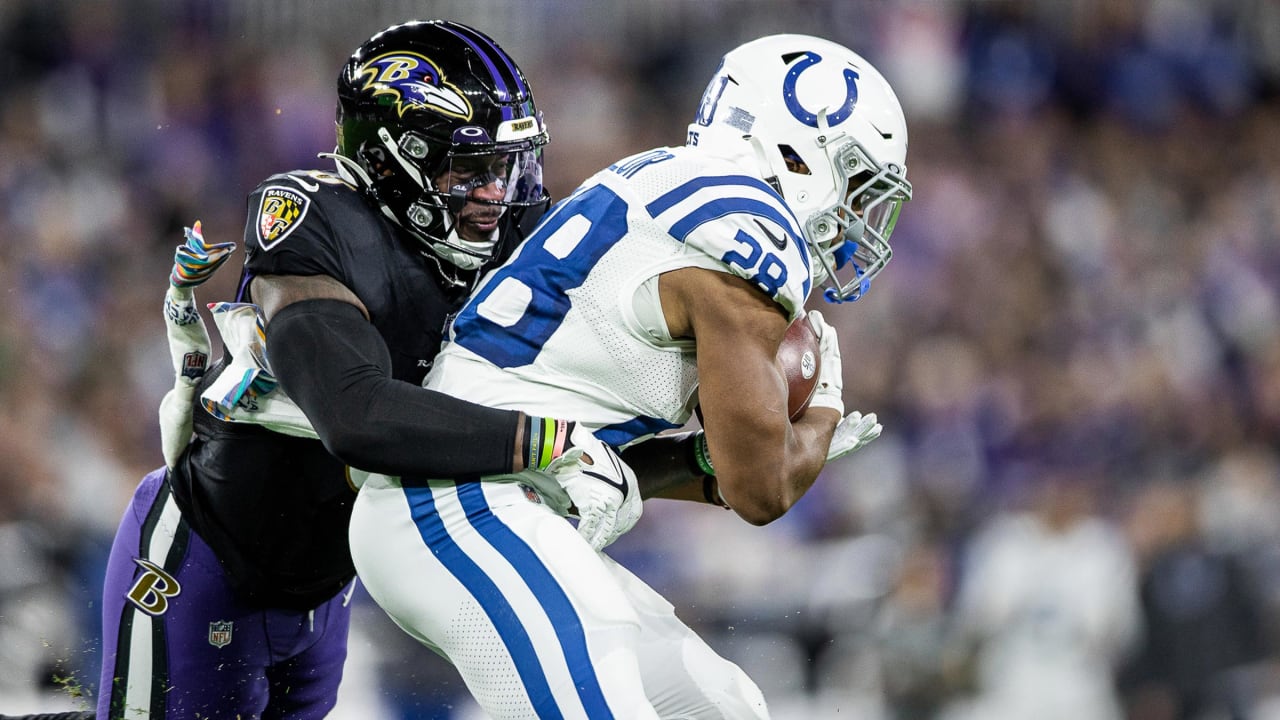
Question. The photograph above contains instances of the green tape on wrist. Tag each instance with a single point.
(701, 455)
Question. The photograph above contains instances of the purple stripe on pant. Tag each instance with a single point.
(177, 643)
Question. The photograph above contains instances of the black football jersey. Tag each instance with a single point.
(275, 508)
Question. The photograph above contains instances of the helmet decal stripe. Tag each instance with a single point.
(485, 45)
(506, 78)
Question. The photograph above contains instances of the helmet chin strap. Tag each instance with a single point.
(762, 164)
(348, 169)
(479, 255)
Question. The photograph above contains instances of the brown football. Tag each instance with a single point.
(799, 358)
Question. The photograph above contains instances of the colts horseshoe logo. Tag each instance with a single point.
(798, 111)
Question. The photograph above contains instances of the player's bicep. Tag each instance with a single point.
(273, 293)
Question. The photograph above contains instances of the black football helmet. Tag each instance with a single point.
(430, 101)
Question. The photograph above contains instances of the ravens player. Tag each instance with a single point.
(228, 584)
(663, 283)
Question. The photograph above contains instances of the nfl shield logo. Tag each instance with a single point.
(220, 634)
(531, 495)
(194, 364)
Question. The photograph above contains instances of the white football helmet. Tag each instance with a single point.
(826, 130)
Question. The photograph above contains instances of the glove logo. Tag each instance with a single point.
(180, 314)
(194, 364)
(531, 495)
(615, 484)
(282, 209)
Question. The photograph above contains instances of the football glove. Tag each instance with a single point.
(193, 263)
(853, 433)
(604, 491)
(830, 389)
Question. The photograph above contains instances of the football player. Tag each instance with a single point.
(663, 284)
(227, 589)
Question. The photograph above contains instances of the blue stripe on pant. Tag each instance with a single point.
(537, 578)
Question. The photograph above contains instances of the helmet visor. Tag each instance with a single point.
(511, 177)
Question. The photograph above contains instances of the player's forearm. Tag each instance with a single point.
(764, 468)
(665, 467)
(807, 452)
(335, 366)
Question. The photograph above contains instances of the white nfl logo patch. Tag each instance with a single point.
(220, 634)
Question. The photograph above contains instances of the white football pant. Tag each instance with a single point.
(538, 624)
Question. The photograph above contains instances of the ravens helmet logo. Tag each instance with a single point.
(413, 82)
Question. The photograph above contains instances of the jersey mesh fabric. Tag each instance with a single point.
(657, 382)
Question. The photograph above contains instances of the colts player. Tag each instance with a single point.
(227, 589)
(665, 282)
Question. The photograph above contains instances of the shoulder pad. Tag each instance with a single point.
(282, 203)
(294, 220)
(741, 221)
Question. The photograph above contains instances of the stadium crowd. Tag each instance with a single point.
(1075, 352)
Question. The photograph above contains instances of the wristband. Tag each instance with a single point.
(545, 439)
(701, 455)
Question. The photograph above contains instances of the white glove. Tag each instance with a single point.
(604, 491)
(853, 433)
(246, 391)
(829, 392)
(193, 263)
(176, 423)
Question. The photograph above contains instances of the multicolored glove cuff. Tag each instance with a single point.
(195, 261)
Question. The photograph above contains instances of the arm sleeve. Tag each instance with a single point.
(333, 363)
(665, 467)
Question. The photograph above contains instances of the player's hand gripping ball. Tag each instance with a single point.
(800, 360)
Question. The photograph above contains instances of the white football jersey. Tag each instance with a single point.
(571, 326)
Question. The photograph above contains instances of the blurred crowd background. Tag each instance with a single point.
(1075, 353)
